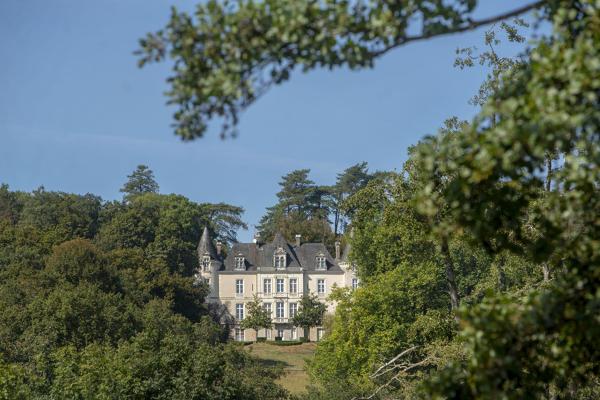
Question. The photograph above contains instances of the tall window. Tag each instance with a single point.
(279, 310)
(267, 286)
(293, 285)
(267, 308)
(293, 309)
(321, 286)
(354, 283)
(239, 286)
(280, 261)
(239, 335)
(280, 332)
(206, 263)
(321, 262)
(239, 311)
(353, 267)
(239, 262)
(280, 285)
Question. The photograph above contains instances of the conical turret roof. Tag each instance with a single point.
(205, 246)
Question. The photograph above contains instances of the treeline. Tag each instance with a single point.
(480, 260)
(315, 211)
(98, 301)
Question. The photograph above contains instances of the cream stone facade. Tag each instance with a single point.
(279, 273)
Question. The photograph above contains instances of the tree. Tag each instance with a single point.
(301, 203)
(230, 54)
(225, 221)
(348, 183)
(256, 317)
(550, 102)
(140, 181)
(310, 313)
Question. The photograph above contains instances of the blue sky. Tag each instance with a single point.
(77, 115)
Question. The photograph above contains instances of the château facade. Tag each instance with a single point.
(279, 273)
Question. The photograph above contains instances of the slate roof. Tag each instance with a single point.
(260, 255)
(205, 245)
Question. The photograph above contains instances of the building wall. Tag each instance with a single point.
(307, 282)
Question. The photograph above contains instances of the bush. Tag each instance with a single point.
(246, 343)
(285, 343)
(305, 339)
(278, 338)
(261, 339)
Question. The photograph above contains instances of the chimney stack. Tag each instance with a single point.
(219, 245)
(256, 238)
(298, 236)
(337, 249)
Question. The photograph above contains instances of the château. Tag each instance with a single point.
(279, 273)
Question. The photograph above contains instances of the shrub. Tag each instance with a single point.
(278, 338)
(261, 339)
(285, 343)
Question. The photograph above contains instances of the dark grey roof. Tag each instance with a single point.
(205, 245)
(299, 258)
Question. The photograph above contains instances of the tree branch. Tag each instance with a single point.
(472, 25)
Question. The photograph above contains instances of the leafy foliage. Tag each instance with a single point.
(140, 181)
(310, 312)
(119, 320)
(256, 317)
(230, 53)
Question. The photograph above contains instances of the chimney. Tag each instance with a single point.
(219, 245)
(298, 236)
(337, 249)
(256, 238)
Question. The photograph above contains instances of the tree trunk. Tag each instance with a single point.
(548, 182)
(449, 267)
(501, 276)
(546, 272)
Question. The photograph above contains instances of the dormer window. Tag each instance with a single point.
(321, 261)
(280, 261)
(279, 258)
(240, 262)
(206, 263)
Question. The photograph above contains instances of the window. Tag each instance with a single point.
(239, 335)
(280, 332)
(293, 309)
(278, 310)
(280, 261)
(321, 286)
(206, 263)
(239, 286)
(353, 267)
(239, 311)
(239, 262)
(321, 262)
(293, 285)
(280, 285)
(207, 280)
(267, 286)
(268, 333)
(354, 283)
(320, 333)
(294, 334)
(267, 308)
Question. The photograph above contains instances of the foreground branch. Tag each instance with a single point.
(472, 25)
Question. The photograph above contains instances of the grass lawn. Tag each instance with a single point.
(290, 358)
